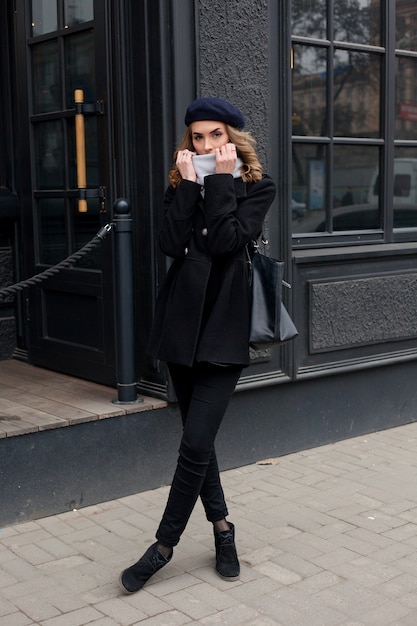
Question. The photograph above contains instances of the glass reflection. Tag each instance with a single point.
(51, 221)
(44, 17)
(358, 21)
(78, 11)
(356, 188)
(405, 187)
(406, 98)
(46, 78)
(80, 66)
(406, 25)
(357, 79)
(308, 200)
(355, 194)
(309, 91)
(85, 226)
(49, 155)
(308, 18)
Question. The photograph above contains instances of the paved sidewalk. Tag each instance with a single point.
(326, 536)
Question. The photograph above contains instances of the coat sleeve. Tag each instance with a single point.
(231, 223)
(180, 205)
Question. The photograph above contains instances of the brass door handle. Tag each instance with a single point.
(80, 150)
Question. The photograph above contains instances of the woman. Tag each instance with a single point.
(215, 205)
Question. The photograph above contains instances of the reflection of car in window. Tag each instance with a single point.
(368, 216)
(298, 209)
(360, 217)
(405, 183)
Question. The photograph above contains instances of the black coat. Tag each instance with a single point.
(203, 307)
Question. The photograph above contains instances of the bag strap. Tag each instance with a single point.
(255, 247)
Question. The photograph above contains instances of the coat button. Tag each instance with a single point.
(204, 232)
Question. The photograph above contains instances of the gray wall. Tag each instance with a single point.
(233, 60)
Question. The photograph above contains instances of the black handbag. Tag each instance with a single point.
(270, 320)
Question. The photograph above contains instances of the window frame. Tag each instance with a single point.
(386, 142)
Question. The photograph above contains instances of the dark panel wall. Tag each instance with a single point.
(355, 308)
(7, 315)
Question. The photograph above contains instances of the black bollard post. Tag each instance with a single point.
(125, 344)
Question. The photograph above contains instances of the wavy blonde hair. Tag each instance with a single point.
(245, 147)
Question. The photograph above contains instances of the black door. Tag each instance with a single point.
(61, 47)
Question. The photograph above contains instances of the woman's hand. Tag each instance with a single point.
(226, 159)
(185, 165)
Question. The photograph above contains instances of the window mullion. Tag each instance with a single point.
(388, 120)
(330, 116)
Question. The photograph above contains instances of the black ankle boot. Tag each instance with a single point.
(227, 563)
(134, 577)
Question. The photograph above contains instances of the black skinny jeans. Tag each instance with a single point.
(203, 392)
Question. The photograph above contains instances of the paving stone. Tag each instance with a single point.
(175, 583)
(393, 552)
(255, 557)
(399, 586)
(351, 598)
(235, 616)
(6, 607)
(19, 569)
(104, 621)
(25, 538)
(7, 555)
(189, 604)
(406, 620)
(254, 589)
(290, 607)
(409, 600)
(36, 608)
(296, 564)
(263, 621)
(146, 602)
(212, 596)
(122, 613)
(352, 544)
(277, 572)
(16, 619)
(386, 614)
(374, 539)
(33, 554)
(170, 618)
(57, 548)
(318, 582)
(403, 532)
(74, 618)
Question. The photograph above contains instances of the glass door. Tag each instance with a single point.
(70, 316)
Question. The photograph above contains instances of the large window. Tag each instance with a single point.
(354, 120)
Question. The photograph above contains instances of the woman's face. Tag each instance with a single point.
(207, 136)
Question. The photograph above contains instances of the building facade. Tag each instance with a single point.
(329, 89)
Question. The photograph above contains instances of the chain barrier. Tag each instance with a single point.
(65, 264)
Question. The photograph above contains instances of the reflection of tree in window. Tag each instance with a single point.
(406, 25)
(353, 73)
(307, 18)
(353, 21)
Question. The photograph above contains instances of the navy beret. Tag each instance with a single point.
(214, 109)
